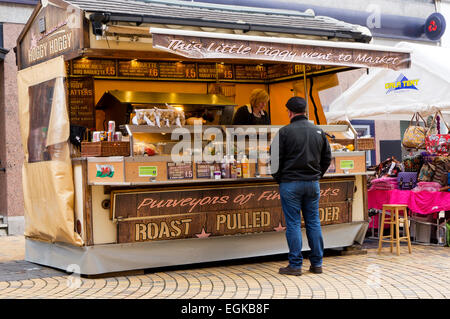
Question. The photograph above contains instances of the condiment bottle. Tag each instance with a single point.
(225, 168)
(233, 167)
(245, 167)
(217, 171)
(238, 168)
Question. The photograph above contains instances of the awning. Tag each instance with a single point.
(387, 94)
(210, 45)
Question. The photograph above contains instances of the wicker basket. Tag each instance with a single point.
(363, 144)
(105, 148)
(366, 144)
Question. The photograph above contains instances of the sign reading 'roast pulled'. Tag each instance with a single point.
(199, 47)
(199, 213)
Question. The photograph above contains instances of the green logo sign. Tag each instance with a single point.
(347, 164)
(148, 171)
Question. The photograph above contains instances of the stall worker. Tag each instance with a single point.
(253, 113)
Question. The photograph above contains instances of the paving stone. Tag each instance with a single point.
(424, 274)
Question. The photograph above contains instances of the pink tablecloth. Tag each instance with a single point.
(418, 202)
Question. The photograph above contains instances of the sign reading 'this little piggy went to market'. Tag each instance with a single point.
(199, 47)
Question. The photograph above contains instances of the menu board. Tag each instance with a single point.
(213, 71)
(279, 70)
(85, 66)
(177, 70)
(179, 171)
(203, 170)
(81, 101)
(187, 71)
(250, 72)
(138, 69)
(207, 71)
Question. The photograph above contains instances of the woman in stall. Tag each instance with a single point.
(253, 113)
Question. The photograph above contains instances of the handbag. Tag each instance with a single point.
(426, 172)
(414, 137)
(442, 167)
(388, 168)
(438, 144)
(407, 180)
(412, 163)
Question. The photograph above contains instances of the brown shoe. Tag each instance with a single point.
(290, 271)
(315, 270)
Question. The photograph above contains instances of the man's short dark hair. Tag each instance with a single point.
(296, 104)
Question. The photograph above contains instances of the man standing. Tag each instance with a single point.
(304, 155)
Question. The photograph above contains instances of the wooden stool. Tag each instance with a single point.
(394, 220)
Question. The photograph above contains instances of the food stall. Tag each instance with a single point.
(131, 161)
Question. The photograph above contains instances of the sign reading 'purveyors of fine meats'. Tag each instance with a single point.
(147, 215)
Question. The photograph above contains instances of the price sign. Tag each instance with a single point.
(279, 70)
(179, 171)
(81, 101)
(250, 72)
(203, 170)
(177, 70)
(85, 66)
(138, 69)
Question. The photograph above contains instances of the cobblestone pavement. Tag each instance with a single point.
(424, 274)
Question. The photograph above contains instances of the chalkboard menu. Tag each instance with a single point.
(187, 70)
(213, 71)
(250, 72)
(94, 67)
(81, 101)
(138, 69)
(179, 171)
(203, 170)
(280, 70)
(207, 71)
(177, 70)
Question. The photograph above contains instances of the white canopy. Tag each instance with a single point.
(397, 94)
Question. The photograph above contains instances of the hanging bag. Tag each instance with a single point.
(438, 144)
(414, 137)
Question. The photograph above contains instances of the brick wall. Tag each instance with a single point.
(12, 153)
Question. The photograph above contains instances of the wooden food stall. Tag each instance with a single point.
(179, 184)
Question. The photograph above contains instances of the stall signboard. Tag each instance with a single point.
(139, 69)
(91, 67)
(201, 46)
(55, 30)
(179, 170)
(157, 70)
(81, 101)
(148, 215)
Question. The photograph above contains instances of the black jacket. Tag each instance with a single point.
(304, 152)
(244, 116)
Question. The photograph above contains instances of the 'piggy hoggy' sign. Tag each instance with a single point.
(219, 48)
(200, 213)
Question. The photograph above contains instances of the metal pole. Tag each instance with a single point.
(306, 91)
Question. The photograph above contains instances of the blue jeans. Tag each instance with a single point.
(302, 196)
